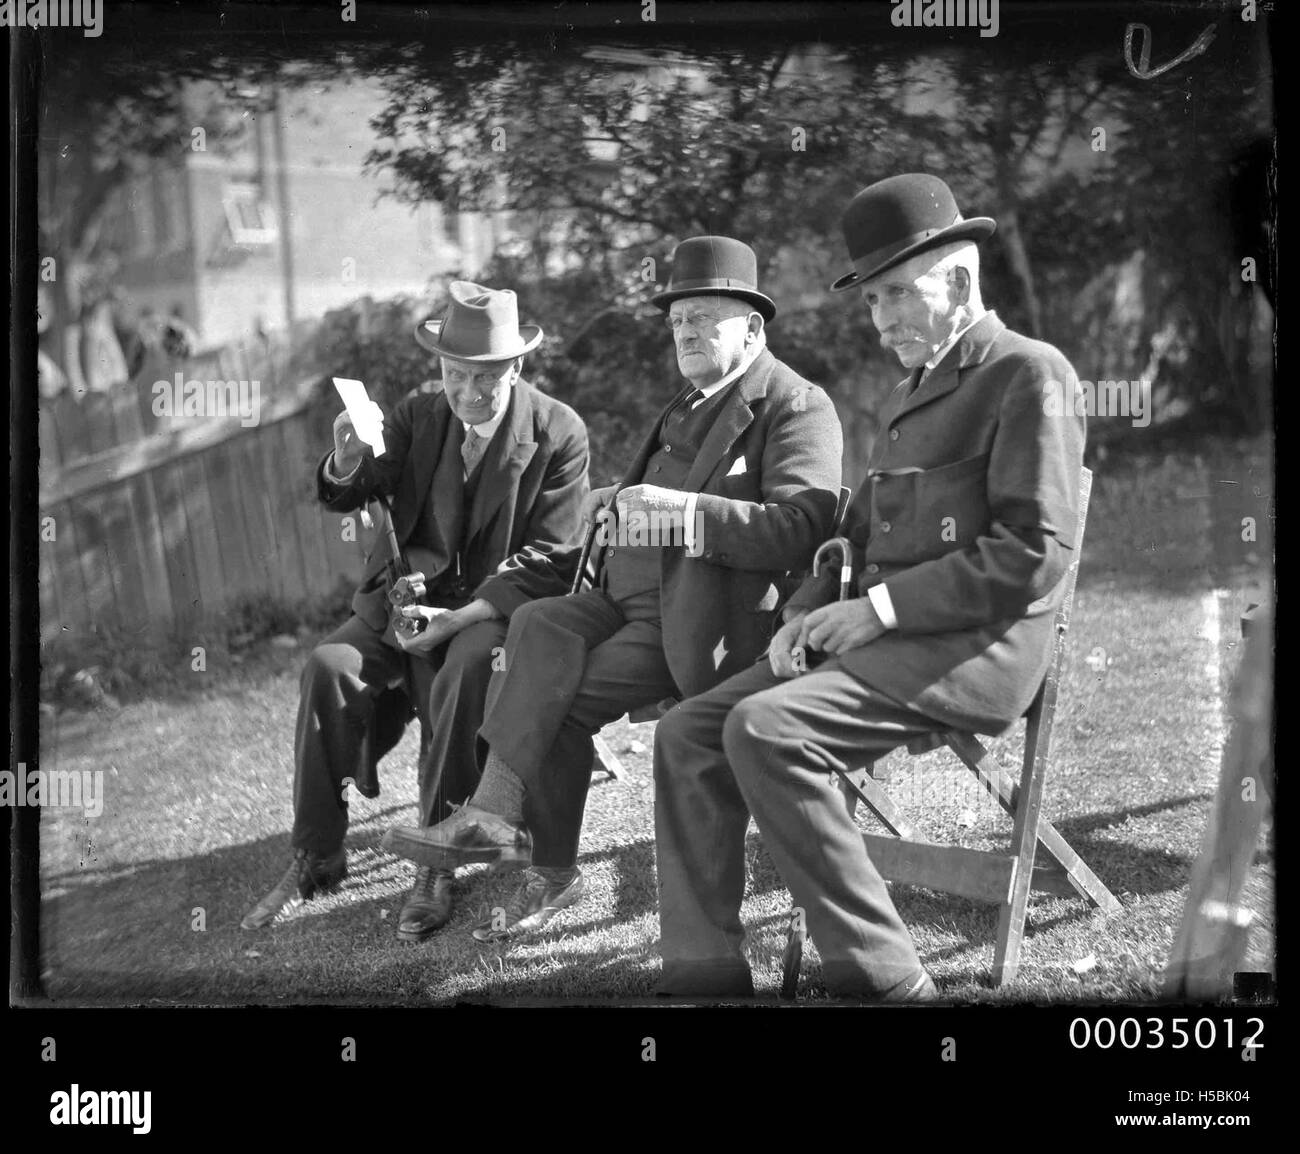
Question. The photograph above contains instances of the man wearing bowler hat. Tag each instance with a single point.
(745, 460)
(486, 480)
(962, 533)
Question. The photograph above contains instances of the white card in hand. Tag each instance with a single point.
(367, 417)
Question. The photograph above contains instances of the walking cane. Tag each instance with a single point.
(846, 562)
(405, 588)
(798, 931)
(584, 558)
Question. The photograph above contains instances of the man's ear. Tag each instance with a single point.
(754, 325)
(960, 280)
(517, 369)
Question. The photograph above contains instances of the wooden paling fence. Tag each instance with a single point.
(160, 533)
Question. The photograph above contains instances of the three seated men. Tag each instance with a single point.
(962, 534)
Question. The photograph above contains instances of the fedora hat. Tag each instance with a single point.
(481, 324)
(715, 266)
(892, 220)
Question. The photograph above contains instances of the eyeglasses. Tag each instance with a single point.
(480, 378)
(697, 321)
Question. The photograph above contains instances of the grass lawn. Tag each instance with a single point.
(142, 904)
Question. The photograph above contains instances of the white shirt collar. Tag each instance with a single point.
(946, 347)
(706, 391)
(487, 428)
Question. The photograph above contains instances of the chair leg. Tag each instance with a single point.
(877, 800)
(1006, 792)
(792, 958)
(1024, 835)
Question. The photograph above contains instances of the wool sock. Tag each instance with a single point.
(499, 790)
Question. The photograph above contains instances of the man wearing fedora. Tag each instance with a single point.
(486, 481)
(962, 533)
(746, 459)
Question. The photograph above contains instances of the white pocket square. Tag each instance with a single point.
(737, 467)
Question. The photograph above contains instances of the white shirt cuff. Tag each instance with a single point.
(884, 607)
(330, 475)
(692, 499)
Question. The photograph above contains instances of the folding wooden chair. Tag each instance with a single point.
(1005, 879)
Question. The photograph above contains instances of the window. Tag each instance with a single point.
(251, 219)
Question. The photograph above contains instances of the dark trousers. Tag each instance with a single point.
(572, 665)
(344, 676)
(760, 745)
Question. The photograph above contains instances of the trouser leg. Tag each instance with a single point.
(700, 824)
(783, 744)
(624, 673)
(339, 683)
(573, 664)
(545, 659)
(453, 761)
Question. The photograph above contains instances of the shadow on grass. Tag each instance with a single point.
(136, 923)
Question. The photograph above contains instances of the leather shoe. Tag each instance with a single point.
(308, 874)
(535, 903)
(469, 835)
(428, 906)
(922, 990)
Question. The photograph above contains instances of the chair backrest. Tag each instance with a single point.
(1072, 574)
(1044, 702)
(842, 509)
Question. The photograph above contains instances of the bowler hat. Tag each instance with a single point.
(892, 220)
(715, 266)
(481, 324)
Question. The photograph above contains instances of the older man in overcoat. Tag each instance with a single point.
(962, 533)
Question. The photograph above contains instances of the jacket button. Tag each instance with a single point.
(668, 448)
(893, 434)
(658, 469)
(873, 568)
(885, 526)
(610, 553)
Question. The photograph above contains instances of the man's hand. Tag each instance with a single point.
(348, 447)
(645, 499)
(780, 654)
(841, 626)
(596, 500)
(441, 624)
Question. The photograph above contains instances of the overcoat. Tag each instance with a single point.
(523, 533)
(969, 517)
(768, 475)
(523, 530)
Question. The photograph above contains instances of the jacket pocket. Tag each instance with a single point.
(919, 516)
(952, 508)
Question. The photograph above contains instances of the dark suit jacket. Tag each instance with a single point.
(768, 473)
(524, 529)
(974, 546)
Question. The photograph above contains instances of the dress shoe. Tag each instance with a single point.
(534, 904)
(921, 990)
(428, 906)
(469, 835)
(308, 874)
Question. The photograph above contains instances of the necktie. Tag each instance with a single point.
(472, 450)
(693, 398)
